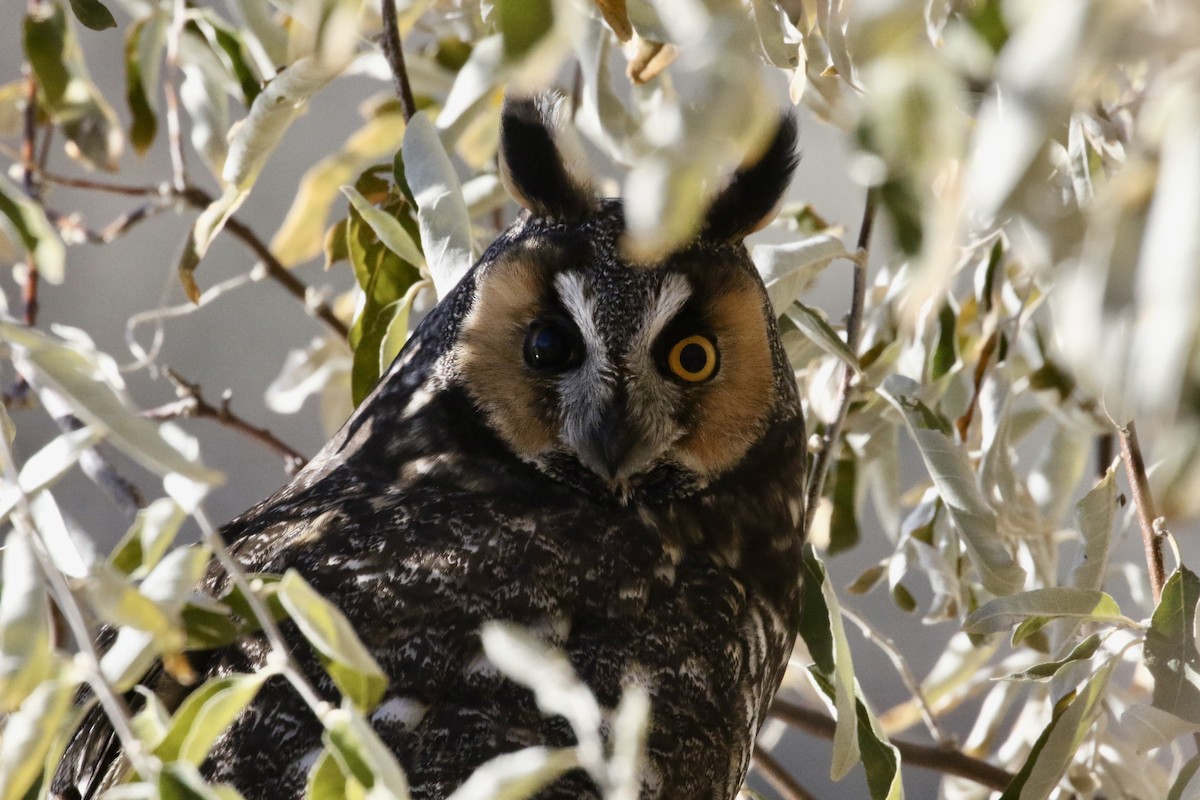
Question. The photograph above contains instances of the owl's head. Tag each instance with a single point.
(601, 372)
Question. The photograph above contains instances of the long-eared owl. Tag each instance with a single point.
(609, 453)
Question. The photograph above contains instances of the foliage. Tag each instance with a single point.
(1038, 165)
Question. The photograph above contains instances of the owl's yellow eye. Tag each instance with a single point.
(693, 359)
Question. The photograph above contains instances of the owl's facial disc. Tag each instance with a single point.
(629, 373)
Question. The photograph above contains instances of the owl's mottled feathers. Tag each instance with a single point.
(648, 526)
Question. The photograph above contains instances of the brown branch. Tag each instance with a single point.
(100, 186)
(191, 403)
(29, 292)
(1152, 540)
(74, 232)
(782, 780)
(963, 423)
(393, 51)
(824, 456)
(947, 761)
(198, 198)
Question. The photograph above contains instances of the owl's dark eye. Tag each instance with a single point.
(551, 346)
(693, 358)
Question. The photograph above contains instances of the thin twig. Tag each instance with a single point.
(280, 657)
(1135, 468)
(939, 759)
(963, 424)
(113, 704)
(906, 674)
(393, 51)
(824, 456)
(191, 403)
(74, 232)
(198, 198)
(29, 292)
(783, 781)
(102, 186)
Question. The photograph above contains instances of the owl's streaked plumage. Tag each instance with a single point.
(610, 454)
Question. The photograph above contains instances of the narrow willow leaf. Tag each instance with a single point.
(299, 238)
(361, 754)
(118, 602)
(880, 758)
(66, 90)
(127, 660)
(1054, 602)
(945, 352)
(386, 227)
(370, 354)
(30, 731)
(1094, 520)
(40, 238)
(630, 727)
(148, 539)
(252, 141)
(93, 14)
(843, 523)
(144, 124)
(813, 324)
(12, 108)
(1058, 744)
(1149, 728)
(1044, 672)
(26, 651)
(441, 210)
(523, 23)
(549, 673)
(204, 94)
(517, 776)
(326, 781)
(789, 269)
(347, 661)
(951, 472)
(88, 388)
(1171, 654)
(45, 467)
(205, 714)
(822, 630)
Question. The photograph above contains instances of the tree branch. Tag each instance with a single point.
(824, 456)
(1152, 542)
(950, 762)
(782, 780)
(393, 51)
(198, 198)
(193, 404)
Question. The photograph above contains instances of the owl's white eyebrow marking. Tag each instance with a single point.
(582, 309)
(672, 296)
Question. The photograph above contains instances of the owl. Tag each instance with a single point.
(610, 454)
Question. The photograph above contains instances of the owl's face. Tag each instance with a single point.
(597, 370)
(627, 371)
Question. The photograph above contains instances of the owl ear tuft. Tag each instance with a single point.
(756, 190)
(532, 163)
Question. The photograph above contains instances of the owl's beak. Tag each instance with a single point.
(613, 440)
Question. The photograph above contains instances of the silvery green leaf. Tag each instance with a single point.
(1171, 651)
(81, 380)
(1003, 613)
(300, 236)
(126, 661)
(1149, 728)
(386, 227)
(789, 269)
(45, 467)
(148, 538)
(71, 550)
(362, 755)
(517, 775)
(352, 667)
(1094, 520)
(813, 324)
(26, 651)
(548, 672)
(951, 472)
(1045, 671)
(630, 725)
(30, 732)
(441, 211)
(204, 96)
(474, 86)
(205, 714)
(1059, 743)
(39, 237)
(822, 630)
